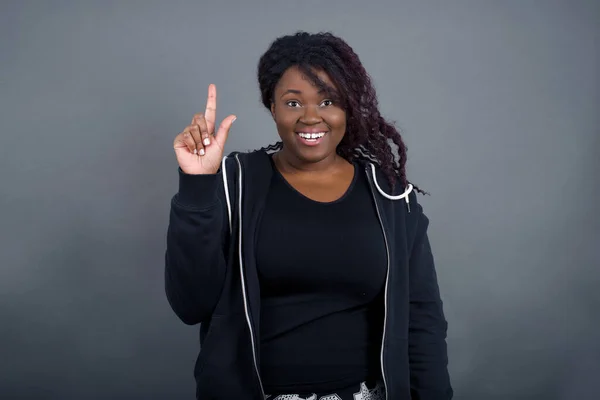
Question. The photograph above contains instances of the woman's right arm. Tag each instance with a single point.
(198, 227)
(194, 261)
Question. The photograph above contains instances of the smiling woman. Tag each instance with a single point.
(330, 66)
(310, 124)
(308, 277)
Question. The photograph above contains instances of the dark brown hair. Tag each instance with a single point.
(368, 134)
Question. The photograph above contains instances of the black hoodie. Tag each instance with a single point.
(211, 278)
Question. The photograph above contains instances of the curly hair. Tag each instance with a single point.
(368, 135)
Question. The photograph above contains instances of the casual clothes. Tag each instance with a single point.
(212, 278)
(322, 269)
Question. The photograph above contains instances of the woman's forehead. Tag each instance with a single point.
(295, 78)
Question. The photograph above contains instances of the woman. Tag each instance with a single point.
(306, 263)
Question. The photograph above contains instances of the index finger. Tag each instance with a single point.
(210, 115)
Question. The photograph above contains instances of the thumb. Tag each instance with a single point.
(223, 132)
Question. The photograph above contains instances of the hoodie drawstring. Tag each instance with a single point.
(387, 196)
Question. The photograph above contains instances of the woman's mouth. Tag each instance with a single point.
(310, 138)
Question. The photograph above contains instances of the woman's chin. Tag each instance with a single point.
(310, 155)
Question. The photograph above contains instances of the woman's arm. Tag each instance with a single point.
(428, 355)
(194, 261)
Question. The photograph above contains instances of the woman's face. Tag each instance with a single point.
(309, 122)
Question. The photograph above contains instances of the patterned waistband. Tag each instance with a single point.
(360, 393)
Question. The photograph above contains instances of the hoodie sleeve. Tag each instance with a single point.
(428, 357)
(194, 260)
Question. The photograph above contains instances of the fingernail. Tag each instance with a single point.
(233, 120)
(195, 151)
(201, 152)
(206, 141)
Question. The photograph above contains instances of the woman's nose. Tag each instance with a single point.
(311, 115)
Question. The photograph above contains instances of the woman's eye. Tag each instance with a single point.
(293, 103)
(327, 103)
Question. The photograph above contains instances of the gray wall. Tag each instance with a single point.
(499, 106)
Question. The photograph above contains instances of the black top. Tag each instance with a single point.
(322, 269)
(205, 255)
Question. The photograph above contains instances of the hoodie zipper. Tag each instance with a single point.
(387, 276)
(243, 280)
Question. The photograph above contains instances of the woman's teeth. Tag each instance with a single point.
(311, 137)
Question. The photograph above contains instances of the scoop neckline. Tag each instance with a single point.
(298, 193)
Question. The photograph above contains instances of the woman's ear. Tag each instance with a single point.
(273, 110)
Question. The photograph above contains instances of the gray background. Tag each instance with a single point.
(499, 104)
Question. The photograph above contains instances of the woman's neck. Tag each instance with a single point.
(289, 164)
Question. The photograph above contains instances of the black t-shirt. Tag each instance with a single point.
(322, 269)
